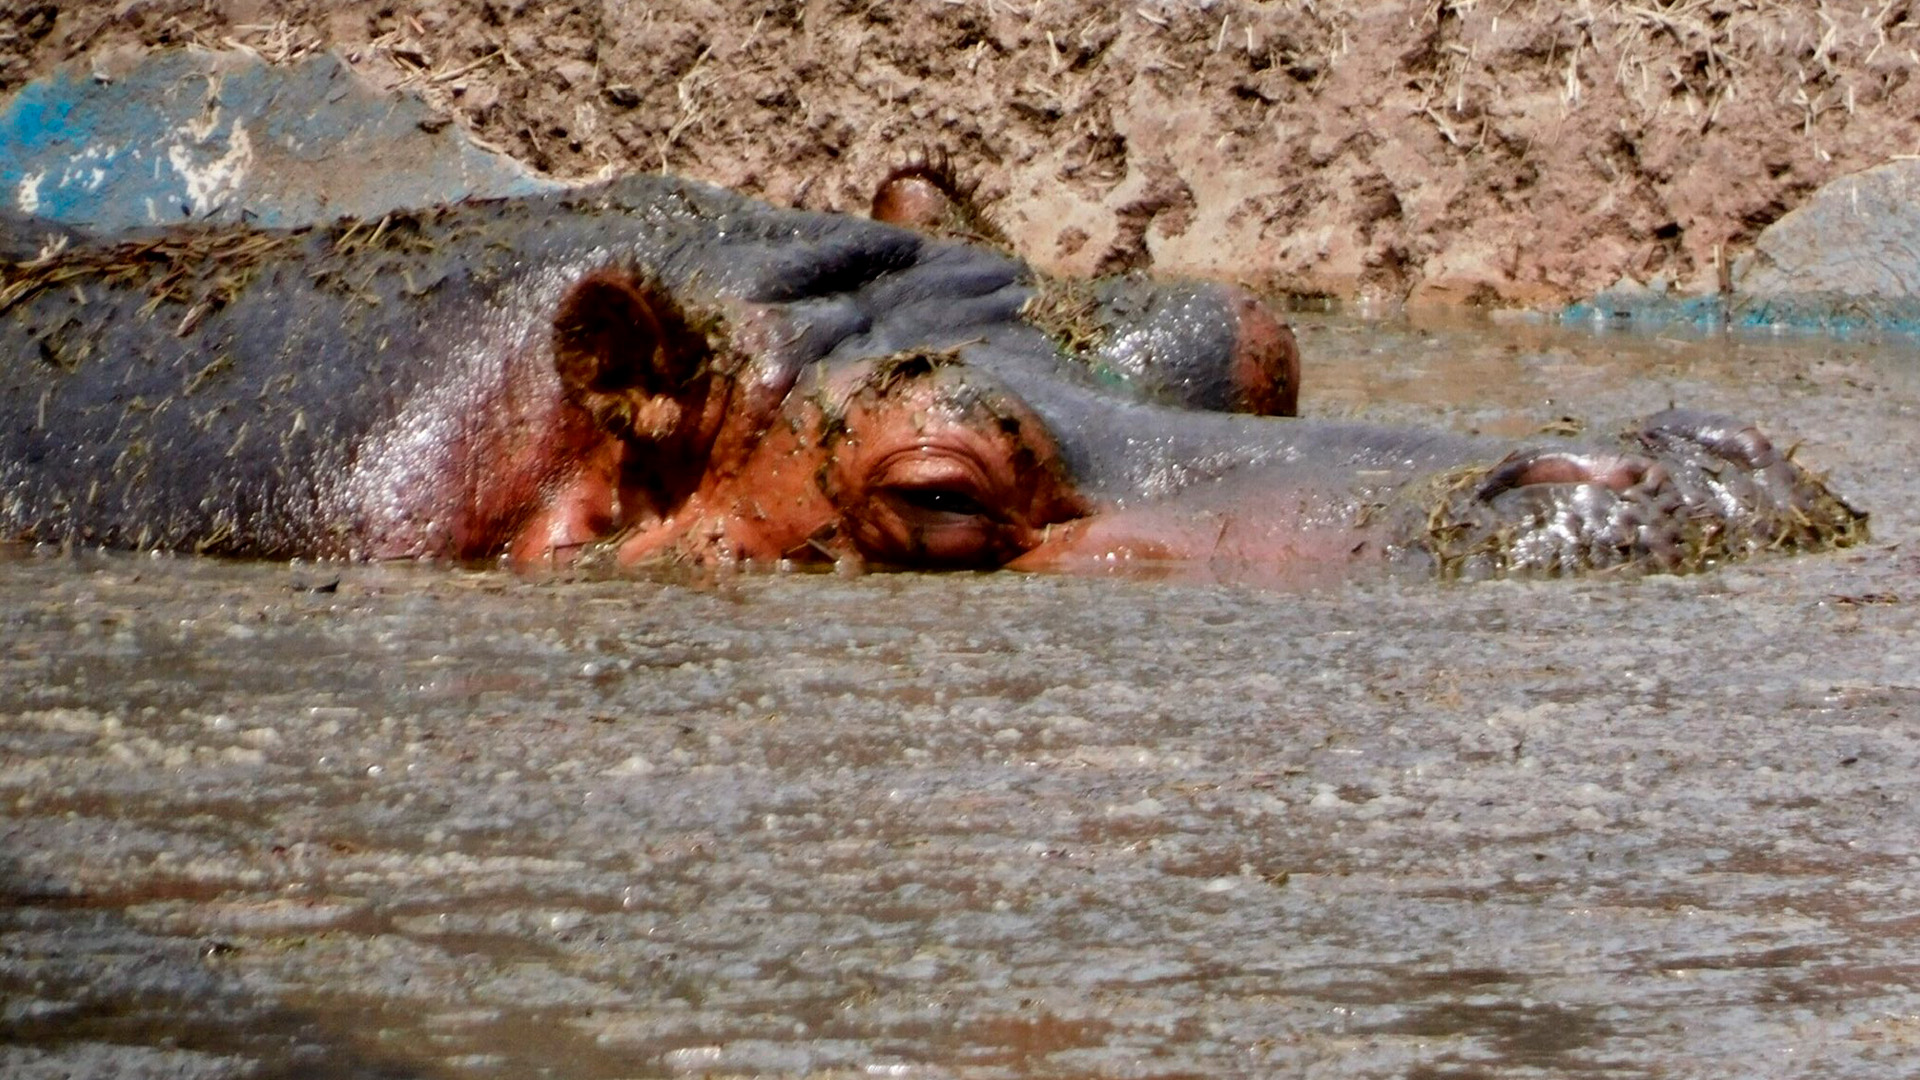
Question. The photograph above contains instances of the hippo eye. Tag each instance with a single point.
(931, 507)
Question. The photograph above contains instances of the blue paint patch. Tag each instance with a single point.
(1645, 310)
(1816, 314)
(224, 137)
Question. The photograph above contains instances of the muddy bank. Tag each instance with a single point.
(1461, 152)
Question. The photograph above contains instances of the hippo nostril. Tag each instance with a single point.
(1621, 474)
(1724, 437)
(1655, 477)
(1615, 474)
(1525, 470)
(1747, 446)
(1556, 469)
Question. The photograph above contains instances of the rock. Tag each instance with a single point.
(209, 136)
(1849, 257)
(1846, 260)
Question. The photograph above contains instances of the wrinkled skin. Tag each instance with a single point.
(657, 370)
(1194, 344)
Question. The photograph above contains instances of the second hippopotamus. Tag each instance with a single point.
(655, 369)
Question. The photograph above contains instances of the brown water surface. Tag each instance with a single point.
(261, 820)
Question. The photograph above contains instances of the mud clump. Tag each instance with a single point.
(1459, 153)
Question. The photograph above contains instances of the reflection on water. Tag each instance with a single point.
(453, 823)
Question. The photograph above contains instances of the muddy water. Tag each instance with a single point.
(261, 820)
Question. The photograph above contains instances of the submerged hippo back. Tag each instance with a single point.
(194, 388)
(206, 389)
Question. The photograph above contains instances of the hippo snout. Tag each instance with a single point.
(1685, 491)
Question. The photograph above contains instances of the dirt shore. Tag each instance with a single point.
(1494, 154)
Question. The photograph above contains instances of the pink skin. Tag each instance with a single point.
(1202, 542)
(486, 457)
(647, 483)
(914, 201)
(737, 463)
(556, 450)
(1258, 522)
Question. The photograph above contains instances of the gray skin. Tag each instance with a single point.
(389, 389)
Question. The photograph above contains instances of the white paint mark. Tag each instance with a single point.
(210, 184)
(30, 192)
(88, 169)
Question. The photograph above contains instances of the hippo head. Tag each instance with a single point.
(947, 427)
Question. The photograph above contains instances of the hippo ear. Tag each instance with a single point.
(925, 192)
(617, 332)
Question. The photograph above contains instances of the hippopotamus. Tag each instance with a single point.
(652, 369)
